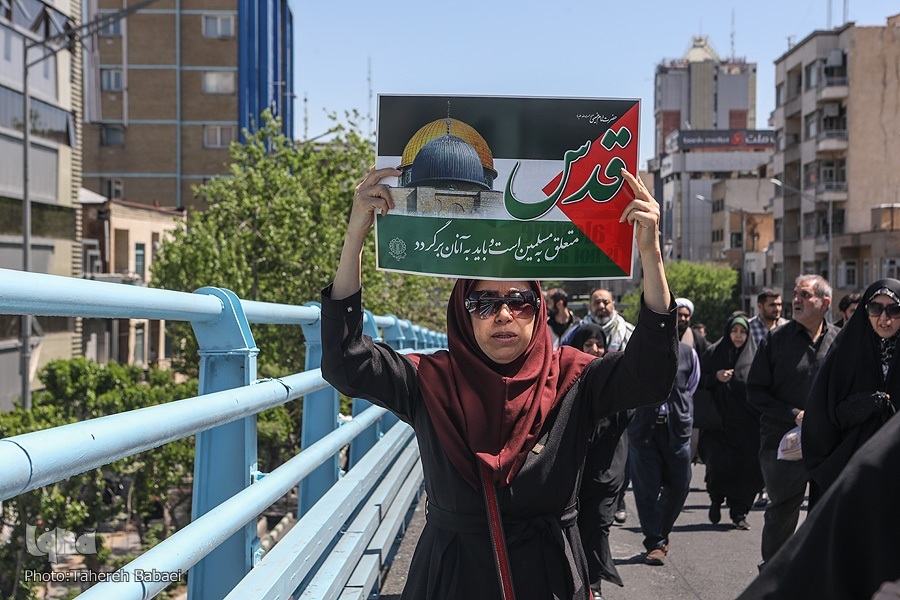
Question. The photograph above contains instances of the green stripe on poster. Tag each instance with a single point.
(488, 248)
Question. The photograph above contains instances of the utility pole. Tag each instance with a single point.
(67, 40)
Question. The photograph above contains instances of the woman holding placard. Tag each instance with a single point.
(502, 420)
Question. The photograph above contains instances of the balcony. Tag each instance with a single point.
(793, 105)
(831, 140)
(833, 88)
(832, 191)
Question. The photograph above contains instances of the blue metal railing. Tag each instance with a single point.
(220, 546)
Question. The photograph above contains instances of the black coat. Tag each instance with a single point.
(454, 556)
(840, 412)
(731, 455)
(847, 547)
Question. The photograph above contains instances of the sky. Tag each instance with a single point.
(556, 48)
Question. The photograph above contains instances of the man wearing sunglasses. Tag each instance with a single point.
(779, 381)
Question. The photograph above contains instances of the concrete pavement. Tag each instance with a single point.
(705, 561)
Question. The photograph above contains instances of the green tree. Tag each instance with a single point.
(129, 489)
(712, 288)
(273, 232)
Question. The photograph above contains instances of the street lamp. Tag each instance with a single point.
(815, 200)
(740, 211)
(67, 40)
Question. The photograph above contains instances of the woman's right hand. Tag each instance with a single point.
(724, 375)
(370, 197)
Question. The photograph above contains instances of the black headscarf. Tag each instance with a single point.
(585, 332)
(724, 355)
(853, 366)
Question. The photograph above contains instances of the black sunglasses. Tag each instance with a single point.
(876, 308)
(484, 304)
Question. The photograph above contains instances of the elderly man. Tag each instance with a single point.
(768, 314)
(560, 319)
(684, 311)
(780, 377)
(603, 312)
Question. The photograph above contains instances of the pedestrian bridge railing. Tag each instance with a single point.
(346, 524)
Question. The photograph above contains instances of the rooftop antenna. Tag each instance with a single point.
(846, 11)
(732, 35)
(828, 2)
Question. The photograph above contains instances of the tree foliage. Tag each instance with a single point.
(273, 232)
(712, 288)
(127, 490)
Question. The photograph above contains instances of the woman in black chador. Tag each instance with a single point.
(856, 389)
(604, 475)
(501, 419)
(731, 455)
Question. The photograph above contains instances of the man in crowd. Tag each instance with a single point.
(603, 313)
(659, 457)
(847, 306)
(684, 311)
(768, 314)
(780, 377)
(560, 318)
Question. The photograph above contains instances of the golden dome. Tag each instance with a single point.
(437, 129)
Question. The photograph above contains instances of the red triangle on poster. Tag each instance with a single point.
(599, 219)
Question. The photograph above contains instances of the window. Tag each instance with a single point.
(847, 274)
(809, 174)
(737, 119)
(218, 136)
(140, 257)
(112, 135)
(111, 80)
(890, 268)
(811, 125)
(139, 355)
(218, 82)
(218, 26)
(112, 28)
(779, 227)
(809, 224)
(777, 275)
(114, 188)
(779, 94)
(736, 240)
(812, 75)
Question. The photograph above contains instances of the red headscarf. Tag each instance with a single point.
(490, 411)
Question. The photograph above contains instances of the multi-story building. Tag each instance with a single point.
(698, 95)
(54, 91)
(837, 114)
(693, 162)
(168, 88)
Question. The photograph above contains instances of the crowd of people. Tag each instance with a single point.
(764, 380)
(532, 423)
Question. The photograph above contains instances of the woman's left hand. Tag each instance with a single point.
(643, 213)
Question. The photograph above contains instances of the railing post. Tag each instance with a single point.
(365, 440)
(320, 411)
(226, 455)
(408, 340)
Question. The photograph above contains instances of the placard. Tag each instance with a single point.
(507, 187)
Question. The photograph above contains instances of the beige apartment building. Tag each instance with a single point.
(835, 167)
(120, 242)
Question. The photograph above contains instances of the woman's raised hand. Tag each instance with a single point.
(370, 197)
(643, 213)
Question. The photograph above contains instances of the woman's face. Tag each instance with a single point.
(883, 325)
(593, 346)
(738, 335)
(503, 337)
